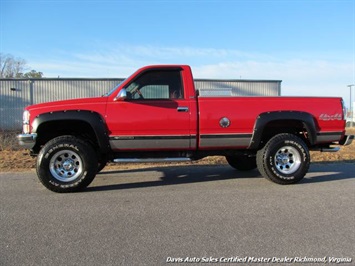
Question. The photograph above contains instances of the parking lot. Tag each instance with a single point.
(159, 214)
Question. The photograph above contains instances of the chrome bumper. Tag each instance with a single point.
(347, 140)
(27, 140)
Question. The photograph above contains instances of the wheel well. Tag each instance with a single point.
(295, 127)
(52, 129)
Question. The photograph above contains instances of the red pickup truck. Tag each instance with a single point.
(156, 114)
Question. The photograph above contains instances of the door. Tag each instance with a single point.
(154, 116)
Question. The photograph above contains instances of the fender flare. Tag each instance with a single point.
(94, 119)
(264, 118)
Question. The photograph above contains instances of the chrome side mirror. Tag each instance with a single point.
(121, 96)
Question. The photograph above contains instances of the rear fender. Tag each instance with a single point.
(265, 118)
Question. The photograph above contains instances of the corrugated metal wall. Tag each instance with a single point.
(238, 87)
(15, 94)
(45, 90)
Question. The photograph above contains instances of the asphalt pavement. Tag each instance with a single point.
(197, 214)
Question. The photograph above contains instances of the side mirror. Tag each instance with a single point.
(121, 96)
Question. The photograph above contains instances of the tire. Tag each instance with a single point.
(66, 164)
(284, 159)
(242, 162)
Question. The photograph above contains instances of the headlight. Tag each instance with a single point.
(26, 122)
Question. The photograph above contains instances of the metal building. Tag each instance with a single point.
(15, 94)
(238, 87)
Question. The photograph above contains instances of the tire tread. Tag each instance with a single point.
(263, 165)
(86, 149)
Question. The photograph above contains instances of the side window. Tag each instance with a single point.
(156, 84)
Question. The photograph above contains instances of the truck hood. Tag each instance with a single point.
(72, 104)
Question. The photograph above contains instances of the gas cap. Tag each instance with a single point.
(224, 122)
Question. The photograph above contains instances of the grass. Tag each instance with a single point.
(14, 158)
(8, 141)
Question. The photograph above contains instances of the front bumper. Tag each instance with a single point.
(27, 140)
(346, 140)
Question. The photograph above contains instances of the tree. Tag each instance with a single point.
(33, 74)
(12, 67)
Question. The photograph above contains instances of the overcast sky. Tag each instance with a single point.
(308, 44)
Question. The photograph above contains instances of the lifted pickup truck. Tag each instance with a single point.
(156, 114)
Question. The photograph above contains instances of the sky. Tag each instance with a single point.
(308, 44)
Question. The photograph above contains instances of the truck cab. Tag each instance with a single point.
(155, 109)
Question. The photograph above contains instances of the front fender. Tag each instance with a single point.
(94, 119)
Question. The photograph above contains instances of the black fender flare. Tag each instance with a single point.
(94, 119)
(264, 118)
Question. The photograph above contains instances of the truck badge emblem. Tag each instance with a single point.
(224, 122)
(327, 117)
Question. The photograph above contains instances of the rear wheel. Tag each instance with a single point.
(284, 159)
(66, 164)
(242, 162)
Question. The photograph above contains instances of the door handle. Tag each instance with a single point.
(182, 109)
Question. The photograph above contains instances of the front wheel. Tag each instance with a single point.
(66, 164)
(284, 159)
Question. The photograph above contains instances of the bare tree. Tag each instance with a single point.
(11, 67)
(4, 64)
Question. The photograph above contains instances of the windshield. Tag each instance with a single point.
(113, 89)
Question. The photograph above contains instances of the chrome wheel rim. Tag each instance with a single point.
(66, 166)
(287, 160)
